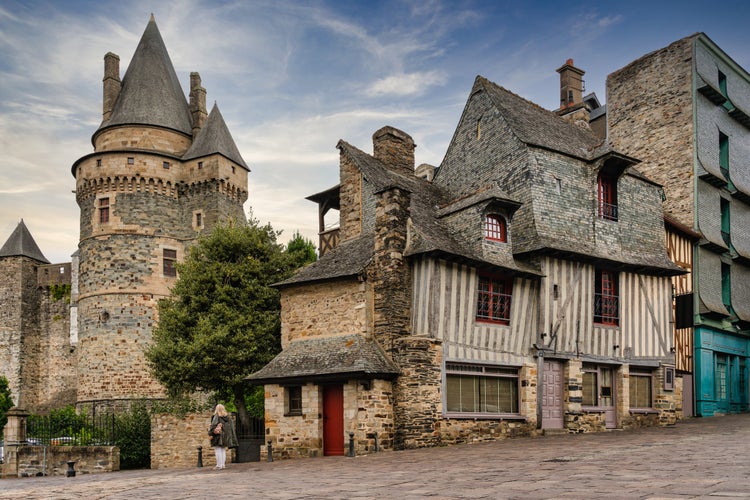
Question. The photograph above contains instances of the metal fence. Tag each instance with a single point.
(78, 430)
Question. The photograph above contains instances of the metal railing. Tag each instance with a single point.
(80, 430)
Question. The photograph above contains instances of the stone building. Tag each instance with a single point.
(684, 110)
(522, 285)
(163, 170)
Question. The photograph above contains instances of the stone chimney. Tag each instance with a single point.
(111, 84)
(571, 85)
(197, 103)
(425, 171)
(394, 148)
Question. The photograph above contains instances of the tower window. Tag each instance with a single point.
(165, 164)
(99, 162)
(495, 228)
(131, 160)
(232, 168)
(200, 165)
(198, 220)
(103, 210)
(170, 258)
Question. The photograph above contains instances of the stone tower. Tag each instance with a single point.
(163, 170)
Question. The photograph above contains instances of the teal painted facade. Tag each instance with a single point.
(721, 368)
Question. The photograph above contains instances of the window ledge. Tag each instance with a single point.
(293, 414)
(485, 416)
(643, 411)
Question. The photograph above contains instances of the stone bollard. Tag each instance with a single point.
(200, 456)
(71, 472)
(269, 452)
(351, 444)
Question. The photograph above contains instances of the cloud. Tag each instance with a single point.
(406, 83)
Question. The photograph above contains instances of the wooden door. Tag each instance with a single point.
(552, 395)
(607, 396)
(333, 420)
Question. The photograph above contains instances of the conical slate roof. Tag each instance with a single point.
(151, 93)
(214, 138)
(21, 243)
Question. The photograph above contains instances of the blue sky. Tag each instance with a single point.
(292, 78)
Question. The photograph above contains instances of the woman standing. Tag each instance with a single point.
(222, 435)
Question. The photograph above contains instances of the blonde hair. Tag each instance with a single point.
(220, 410)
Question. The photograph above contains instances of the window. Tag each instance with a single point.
(170, 257)
(481, 389)
(131, 160)
(726, 286)
(493, 298)
(607, 188)
(723, 83)
(99, 162)
(165, 164)
(495, 228)
(725, 222)
(103, 210)
(606, 300)
(590, 386)
(200, 165)
(293, 400)
(724, 155)
(198, 220)
(640, 389)
(669, 378)
(598, 386)
(232, 168)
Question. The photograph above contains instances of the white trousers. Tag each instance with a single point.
(221, 456)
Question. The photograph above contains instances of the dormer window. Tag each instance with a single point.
(495, 228)
(607, 196)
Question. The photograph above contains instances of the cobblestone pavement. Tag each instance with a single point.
(698, 458)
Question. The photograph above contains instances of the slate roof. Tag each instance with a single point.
(331, 358)
(151, 93)
(21, 243)
(214, 138)
(349, 258)
(537, 126)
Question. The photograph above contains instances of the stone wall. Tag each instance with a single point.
(294, 436)
(31, 461)
(175, 441)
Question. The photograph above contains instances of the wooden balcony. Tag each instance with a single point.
(329, 239)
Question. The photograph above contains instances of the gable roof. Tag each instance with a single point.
(214, 138)
(151, 93)
(537, 126)
(21, 243)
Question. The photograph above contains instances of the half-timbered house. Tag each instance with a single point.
(523, 285)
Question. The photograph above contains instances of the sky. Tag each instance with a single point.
(292, 78)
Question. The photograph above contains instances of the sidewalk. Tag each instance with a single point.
(698, 458)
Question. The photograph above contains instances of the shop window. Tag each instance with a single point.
(477, 390)
(641, 389)
(293, 400)
(494, 298)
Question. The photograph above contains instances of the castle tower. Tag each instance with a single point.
(160, 174)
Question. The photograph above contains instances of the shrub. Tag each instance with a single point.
(133, 437)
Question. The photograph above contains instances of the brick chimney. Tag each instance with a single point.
(571, 85)
(395, 148)
(111, 84)
(197, 103)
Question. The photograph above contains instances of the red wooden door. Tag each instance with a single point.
(552, 395)
(333, 420)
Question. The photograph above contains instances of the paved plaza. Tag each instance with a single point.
(698, 458)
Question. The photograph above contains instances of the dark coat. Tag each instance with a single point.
(228, 437)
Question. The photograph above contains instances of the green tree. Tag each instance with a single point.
(222, 322)
(301, 250)
(6, 403)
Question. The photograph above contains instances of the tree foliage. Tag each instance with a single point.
(6, 402)
(222, 322)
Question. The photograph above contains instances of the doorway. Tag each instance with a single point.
(333, 420)
(552, 395)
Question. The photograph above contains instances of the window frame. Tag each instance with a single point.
(637, 374)
(606, 293)
(495, 228)
(104, 210)
(482, 373)
(497, 295)
(607, 197)
(169, 259)
(293, 401)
